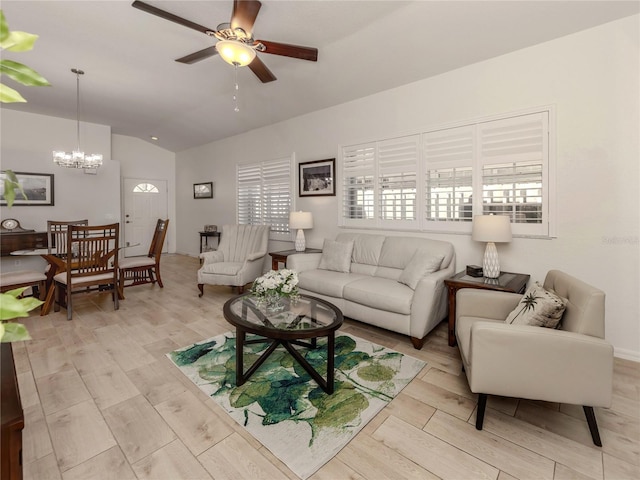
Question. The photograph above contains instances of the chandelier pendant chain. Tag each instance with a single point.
(78, 73)
(77, 158)
(236, 90)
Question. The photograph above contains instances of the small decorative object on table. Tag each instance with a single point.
(270, 288)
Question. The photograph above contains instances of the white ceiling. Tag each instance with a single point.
(133, 83)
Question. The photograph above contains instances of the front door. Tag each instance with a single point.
(145, 201)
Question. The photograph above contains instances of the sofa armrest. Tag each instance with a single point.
(303, 261)
(473, 302)
(540, 364)
(213, 256)
(429, 303)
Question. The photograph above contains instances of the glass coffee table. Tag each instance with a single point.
(300, 323)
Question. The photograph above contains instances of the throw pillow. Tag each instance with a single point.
(336, 256)
(538, 307)
(421, 264)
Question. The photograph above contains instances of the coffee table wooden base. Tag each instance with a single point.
(241, 376)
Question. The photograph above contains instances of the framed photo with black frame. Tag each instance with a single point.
(203, 190)
(37, 187)
(317, 178)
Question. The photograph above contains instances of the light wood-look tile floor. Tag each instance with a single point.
(101, 401)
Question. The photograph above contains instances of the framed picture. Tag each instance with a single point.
(37, 187)
(317, 178)
(203, 190)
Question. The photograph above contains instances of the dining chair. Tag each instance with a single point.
(91, 263)
(24, 278)
(57, 235)
(141, 270)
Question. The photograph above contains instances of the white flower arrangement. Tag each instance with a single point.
(280, 283)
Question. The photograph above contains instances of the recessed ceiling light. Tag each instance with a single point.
(153, 137)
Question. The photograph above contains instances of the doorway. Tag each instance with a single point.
(145, 201)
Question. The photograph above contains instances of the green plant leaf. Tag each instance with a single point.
(15, 332)
(9, 95)
(4, 28)
(19, 42)
(22, 74)
(13, 307)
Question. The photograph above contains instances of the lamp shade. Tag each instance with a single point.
(300, 220)
(491, 228)
(235, 52)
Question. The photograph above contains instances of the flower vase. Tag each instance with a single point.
(274, 303)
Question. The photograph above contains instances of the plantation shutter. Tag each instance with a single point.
(264, 195)
(277, 195)
(448, 167)
(358, 173)
(514, 161)
(397, 180)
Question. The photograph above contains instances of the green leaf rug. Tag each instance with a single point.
(283, 407)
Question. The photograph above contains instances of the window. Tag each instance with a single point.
(439, 179)
(264, 195)
(145, 188)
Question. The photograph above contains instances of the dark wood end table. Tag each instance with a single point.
(306, 318)
(281, 257)
(506, 282)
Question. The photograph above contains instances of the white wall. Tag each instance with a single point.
(592, 79)
(27, 143)
(143, 160)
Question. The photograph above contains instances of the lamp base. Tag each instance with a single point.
(301, 244)
(490, 263)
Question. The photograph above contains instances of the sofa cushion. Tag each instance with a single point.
(538, 307)
(366, 247)
(336, 256)
(421, 264)
(326, 282)
(380, 293)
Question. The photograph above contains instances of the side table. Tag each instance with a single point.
(205, 236)
(506, 282)
(281, 257)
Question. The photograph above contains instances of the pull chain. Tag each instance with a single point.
(237, 90)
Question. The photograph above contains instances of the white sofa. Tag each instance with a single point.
(387, 283)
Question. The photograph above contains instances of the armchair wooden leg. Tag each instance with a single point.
(593, 425)
(241, 289)
(482, 405)
(201, 288)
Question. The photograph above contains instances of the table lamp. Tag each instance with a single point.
(301, 221)
(491, 229)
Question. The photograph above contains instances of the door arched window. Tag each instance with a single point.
(145, 188)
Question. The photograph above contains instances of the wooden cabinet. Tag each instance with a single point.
(10, 242)
(12, 417)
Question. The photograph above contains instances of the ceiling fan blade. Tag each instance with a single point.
(294, 51)
(199, 55)
(261, 71)
(145, 7)
(244, 14)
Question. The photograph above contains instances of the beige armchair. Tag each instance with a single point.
(572, 364)
(239, 258)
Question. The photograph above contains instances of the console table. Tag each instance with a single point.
(10, 242)
(506, 282)
(12, 417)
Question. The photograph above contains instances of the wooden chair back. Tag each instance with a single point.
(157, 242)
(92, 250)
(57, 235)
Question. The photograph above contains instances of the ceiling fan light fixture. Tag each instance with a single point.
(235, 53)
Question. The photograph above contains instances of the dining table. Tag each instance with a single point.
(57, 264)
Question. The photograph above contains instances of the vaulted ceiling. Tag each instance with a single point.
(133, 84)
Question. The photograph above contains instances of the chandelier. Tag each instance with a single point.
(77, 158)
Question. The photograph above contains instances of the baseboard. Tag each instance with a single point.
(626, 354)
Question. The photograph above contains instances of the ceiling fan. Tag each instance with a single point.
(236, 44)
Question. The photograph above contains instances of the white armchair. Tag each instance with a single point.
(239, 258)
(572, 364)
